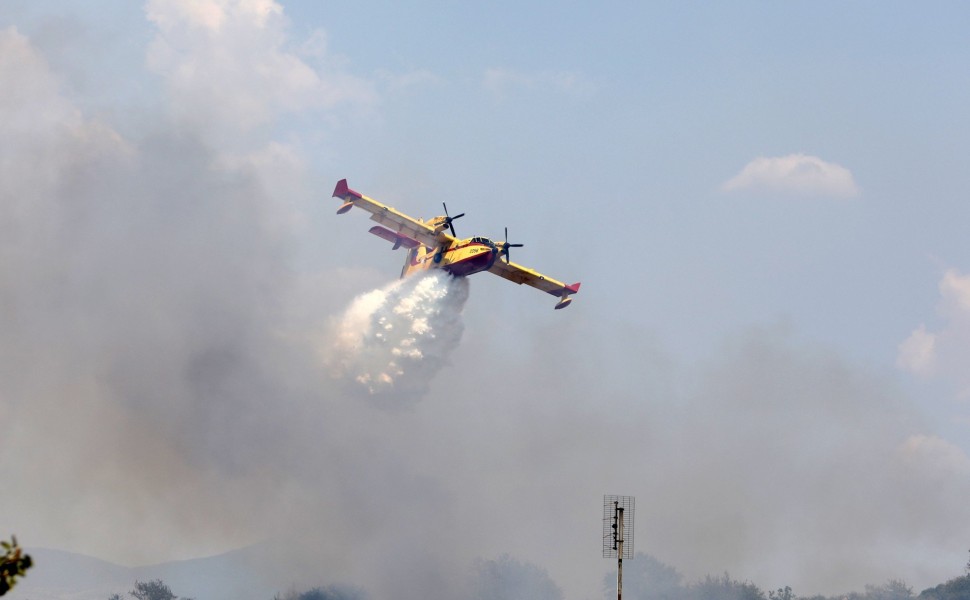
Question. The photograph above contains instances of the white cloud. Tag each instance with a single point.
(917, 353)
(210, 14)
(31, 103)
(500, 82)
(944, 353)
(229, 68)
(798, 174)
(955, 290)
(417, 78)
(935, 455)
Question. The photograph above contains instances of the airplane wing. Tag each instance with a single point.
(519, 274)
(397, 222)
(395, 238)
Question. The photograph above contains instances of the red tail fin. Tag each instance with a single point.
(342, 190)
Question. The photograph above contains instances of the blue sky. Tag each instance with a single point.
(729, 182)
(667, 103)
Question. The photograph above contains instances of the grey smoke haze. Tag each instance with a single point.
(163, 390)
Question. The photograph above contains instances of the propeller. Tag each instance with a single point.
(448, 219)
(506, 245)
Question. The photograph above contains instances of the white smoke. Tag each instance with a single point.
(391, 342)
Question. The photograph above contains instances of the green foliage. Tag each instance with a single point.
(330, 592)
(13, 564)
(724, 588)
(152, 590)
(508, 579)
(784, 593)
(646, 578)
(894, 589)
(957, 588)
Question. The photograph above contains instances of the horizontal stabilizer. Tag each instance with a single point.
(395, 238)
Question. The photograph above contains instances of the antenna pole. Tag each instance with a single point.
(619, 552)
(618, 533)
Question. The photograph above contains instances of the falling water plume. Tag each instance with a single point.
(390, 342)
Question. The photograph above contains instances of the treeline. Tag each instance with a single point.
(646, 578)
(157, 589)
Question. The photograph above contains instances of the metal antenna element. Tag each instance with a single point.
(618, 533)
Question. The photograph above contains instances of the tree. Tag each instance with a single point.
(957, 588)
(894, 589)
(784, 593)
(330, 592)
(508, 579)
(13, 564)
(152, 590)
(646, 578)
(724, 588)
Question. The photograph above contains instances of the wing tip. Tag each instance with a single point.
(567, 298)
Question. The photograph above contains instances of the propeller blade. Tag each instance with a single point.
(506, 245)
(449, 219)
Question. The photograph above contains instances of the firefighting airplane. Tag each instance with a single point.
(430, 247)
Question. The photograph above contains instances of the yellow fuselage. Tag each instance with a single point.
(460, 258)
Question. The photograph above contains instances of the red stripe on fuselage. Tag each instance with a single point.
(468, 245)
(466, 266)
(474, 263)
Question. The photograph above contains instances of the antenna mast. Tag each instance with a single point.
(618, 533)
